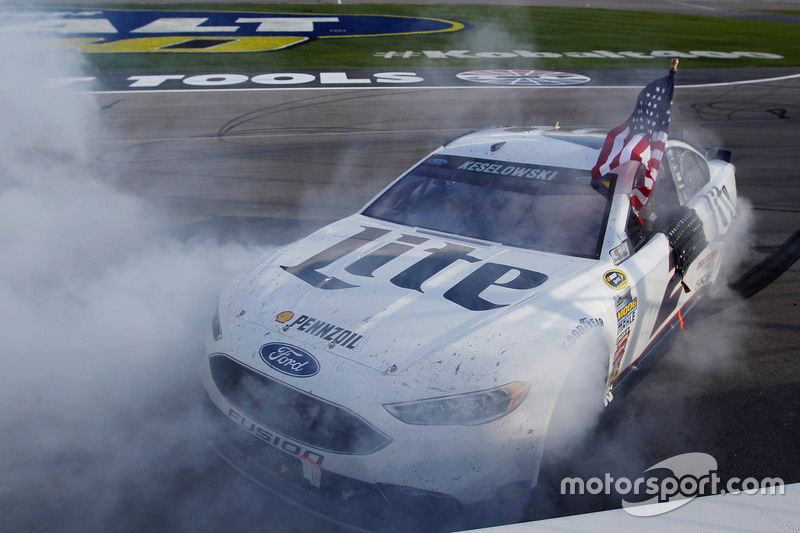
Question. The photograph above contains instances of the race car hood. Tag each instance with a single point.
(386, 296)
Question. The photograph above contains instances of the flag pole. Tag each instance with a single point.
(674, 66)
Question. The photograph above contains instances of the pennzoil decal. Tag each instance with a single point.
(336, 335)
(118, 31)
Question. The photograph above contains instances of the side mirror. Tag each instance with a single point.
(716, 153)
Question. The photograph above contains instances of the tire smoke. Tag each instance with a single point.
(103, 316)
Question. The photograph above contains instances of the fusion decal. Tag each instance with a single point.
(274, 439)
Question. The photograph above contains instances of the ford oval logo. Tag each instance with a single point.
(289, 360)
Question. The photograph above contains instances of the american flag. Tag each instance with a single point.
(640, 138)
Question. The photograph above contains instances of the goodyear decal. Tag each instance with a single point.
(583, 327)
(118, 31)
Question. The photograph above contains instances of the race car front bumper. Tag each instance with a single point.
(338, 498)
(391, 482)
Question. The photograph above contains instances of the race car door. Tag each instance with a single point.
(672, 258)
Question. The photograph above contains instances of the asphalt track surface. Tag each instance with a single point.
(269, 167)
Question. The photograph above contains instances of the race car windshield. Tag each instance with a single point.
(550, 209)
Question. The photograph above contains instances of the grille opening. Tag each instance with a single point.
(298, 415)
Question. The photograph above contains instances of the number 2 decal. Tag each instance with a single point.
(670, 301)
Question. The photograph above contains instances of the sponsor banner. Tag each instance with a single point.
(594, 54)
(123, 31)
(299, 79)
(374, 79)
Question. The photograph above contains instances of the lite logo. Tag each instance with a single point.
(465, 293)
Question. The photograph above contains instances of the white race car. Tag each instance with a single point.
(417, 351)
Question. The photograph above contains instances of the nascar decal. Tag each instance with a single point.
(466, 292)
(117, 31)
(616, 279)
(523, 77)
(324, 330)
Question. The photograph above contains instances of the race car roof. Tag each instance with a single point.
(538, 145)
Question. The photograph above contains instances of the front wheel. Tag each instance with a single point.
(571, 432)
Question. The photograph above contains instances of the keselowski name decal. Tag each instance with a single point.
(466, 292)
(519, 171)
(325, 330)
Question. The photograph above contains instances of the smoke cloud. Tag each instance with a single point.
(103, 313)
